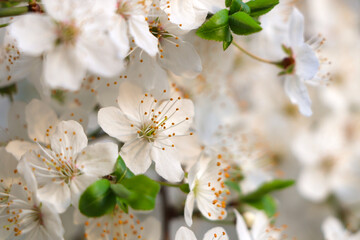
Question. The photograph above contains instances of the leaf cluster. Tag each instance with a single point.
(238, 18)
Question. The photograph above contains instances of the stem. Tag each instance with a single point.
(254, 56)
(14, 11)
(4, 25)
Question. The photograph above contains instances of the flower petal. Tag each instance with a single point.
(139, 29)
(69, 138)
(119, 36)
(63, 68)
(298, 94)
(136, 155)
(313, 184)
(219, 232)
(180, 57)
(296, 28)
(56, 194)
(307, 63)
(184, 233)
(241, 228)
(114, 123)
(41, 120)
(98, 159)
(52, 222)
(18, 148)
(333, 230)
(189, 208)
(167, 163)
(34, 33)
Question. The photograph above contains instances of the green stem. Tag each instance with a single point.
(14, 11)
(254, 56)
(4, 25)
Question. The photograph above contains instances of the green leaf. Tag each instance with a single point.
(238, 5)
(97, 199)
(143, 192)
(266, 188)
(260, 7)
(242, 24)
(216, 28)
(233, 185)
(185, 188)
(266, 203)
(228, 3)
(120, 190)
(122, 204)
(121, 171)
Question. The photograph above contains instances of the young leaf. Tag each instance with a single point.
(121, 171)
(266, 203)
(216, 28)
(97, 199)
(122, 204)
(228, 3)
(260, 7)
(233, 186)
(266, 188)
(242, 24)
(238, 5)
(120, 191)
(143, 192)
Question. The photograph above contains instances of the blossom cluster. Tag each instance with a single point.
(124, 115)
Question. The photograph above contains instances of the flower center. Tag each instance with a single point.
(328, 164)
(67, 33)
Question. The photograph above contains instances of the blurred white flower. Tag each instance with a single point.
(119, 225)
(206, 181)
(148, 126)
(64, 170)
(260, 229)
(131, 16)
(73, 40)
(216, 233)
(333, 230)
(302, 58)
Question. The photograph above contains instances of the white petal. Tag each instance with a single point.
(296, 27)
(307, 63)
(184, 14)
(313, 184)
(114, 123)
(63, 68)
(145, 71)
(119, 36)
(98, 159)
(260, 225)
(184, 233)
(56, 194)
(192, 174)
(241, 228)
(69, 138)
(16, 121)
(52, 222)
(59, 10)
(129, 100)
(35, 33)
(99, 54)
(210, 5)
(136, 155)
(41, 120)
(333, 230)
(18, 148)
(298, 94)
(26, 171)
(189, 208)
(180, 57)
(167, 163)
(78, 185)
(219, 232)
(139, 29)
